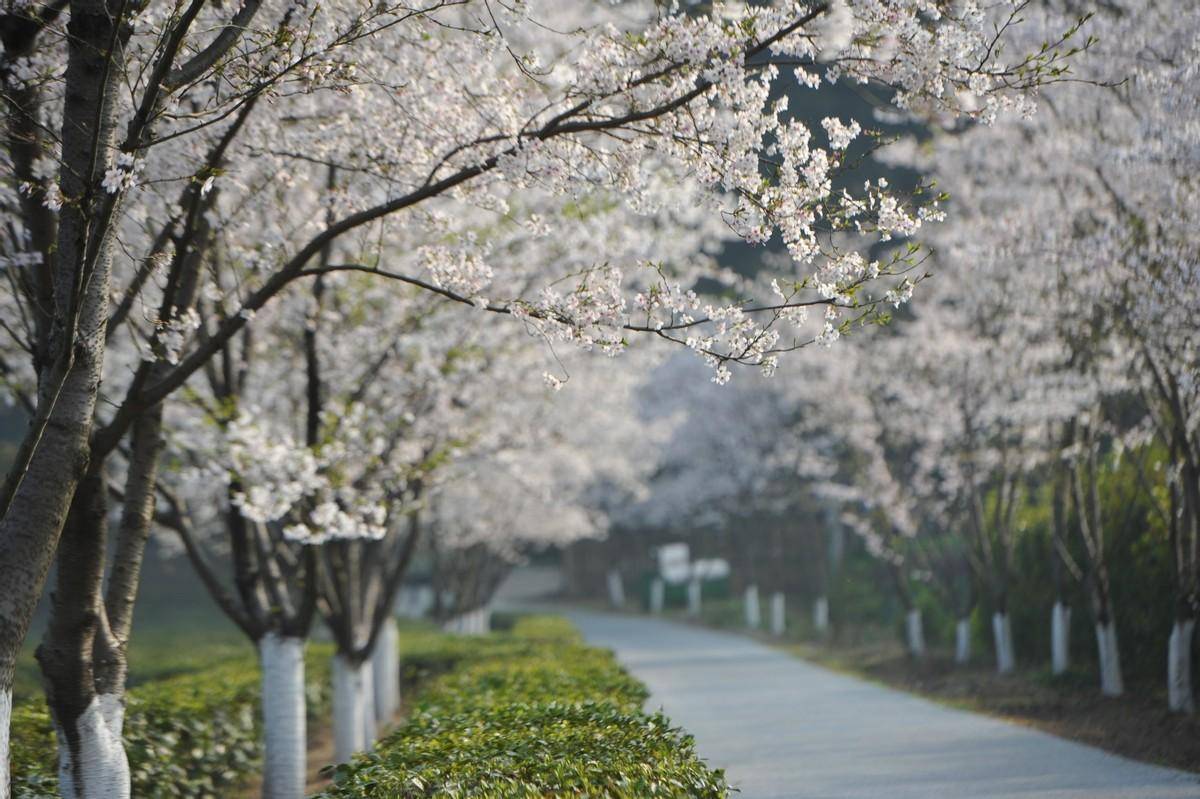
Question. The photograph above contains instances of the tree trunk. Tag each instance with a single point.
(39, 504)
(479, 618)
(962, 642)
(53, 455)
(351, 705)
(1002, 635)
(91, 753)
(83, 668)
(385, 661)
(753, 612)
(616, 590)
(83, 655)
(915, 633)
(1060, 615)
(962, 594)
(1109, 659)
(778, 610)
(1111, 683)
(367, 700)
(821, 614)
(695, 602)
(657, 589)
(5, 723)
(1180, 698)
(1060, 637)
(283, 712)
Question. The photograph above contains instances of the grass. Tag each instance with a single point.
(162, 646)
(177, 629)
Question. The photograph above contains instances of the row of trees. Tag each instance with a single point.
(1051, 360)
(402, 449)
(1058, 350)
(223, 227)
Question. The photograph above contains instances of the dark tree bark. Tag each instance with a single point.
(53, 456)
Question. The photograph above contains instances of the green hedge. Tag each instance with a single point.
(526, 715)
(192, 736)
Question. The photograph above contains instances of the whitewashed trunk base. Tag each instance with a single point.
(821, 614)
(1180, 698)
(385, 663)
(778, 611)
(658, 590)
(1111, 683)
(962, 642)
(1002, 635)
(616, 589)
(367, 700)
(5, 724)
(1060, 638)
(285, 744)
(472, 622)
(915, 633)
(97, 768)
(693, 596)
(753, 612)
(351, 707)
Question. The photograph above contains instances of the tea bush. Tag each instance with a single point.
(532, 712)
(187, 737)
(524, 715)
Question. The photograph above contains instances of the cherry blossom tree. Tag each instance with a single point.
(1084, 207)
(383, 408)
(1158, 277)
(871, 459)
(145, 142)
(320, 457)
(729, 479)
(550, 471)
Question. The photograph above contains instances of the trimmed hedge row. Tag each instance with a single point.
(526, 715)
(187, 737)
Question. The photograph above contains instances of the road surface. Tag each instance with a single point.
(785, 729)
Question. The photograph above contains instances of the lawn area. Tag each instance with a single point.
(195, 640)
(177, 630)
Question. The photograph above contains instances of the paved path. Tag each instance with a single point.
(785, 729)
